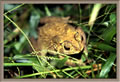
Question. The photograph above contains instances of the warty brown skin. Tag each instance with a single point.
(57, 34)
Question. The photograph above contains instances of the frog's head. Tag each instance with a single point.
(71, 43)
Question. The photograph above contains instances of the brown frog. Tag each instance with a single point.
(56, 34)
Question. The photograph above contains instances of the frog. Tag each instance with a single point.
(59, 35)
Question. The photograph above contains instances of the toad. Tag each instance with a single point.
(57, 34)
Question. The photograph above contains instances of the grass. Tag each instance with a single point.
(98, 22)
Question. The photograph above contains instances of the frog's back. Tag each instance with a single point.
(56, 34)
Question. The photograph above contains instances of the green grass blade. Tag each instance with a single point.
(109, 33)
(107, 66)
(103, 46)
(47, 11)
(17, 64)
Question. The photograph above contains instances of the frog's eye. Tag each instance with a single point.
(67, 45)
(78, 37)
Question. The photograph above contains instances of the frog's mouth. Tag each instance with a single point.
(77, 55)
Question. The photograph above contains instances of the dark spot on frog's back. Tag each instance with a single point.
(56, 39)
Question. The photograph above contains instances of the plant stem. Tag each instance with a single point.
(67, 69)
(93, 17)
